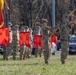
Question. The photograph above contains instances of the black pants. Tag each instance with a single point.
(33, 51)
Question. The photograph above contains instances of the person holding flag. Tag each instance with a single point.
(4, 39)
(24, 42)
(37, 41)
(3, 30)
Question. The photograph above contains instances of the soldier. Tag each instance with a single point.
(7, 48)
(31, 39)
(45, 33)
(64, 34)
(22, 48)
(27, 49)
(15, 41)
(38, 47)
(9, 45)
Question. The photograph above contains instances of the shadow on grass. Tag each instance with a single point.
(19, 64)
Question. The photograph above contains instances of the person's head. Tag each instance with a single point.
(16, 27)
(37, 23)
(22, 29)
(37, 27)
(26, 28)
(44, 22)
(9, 24)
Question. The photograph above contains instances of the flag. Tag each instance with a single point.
(1, 18)
(37, 41)
(25, 38)
(1, 36)
(1, 4)
(4, 36)
(1, 13)
(6, 33)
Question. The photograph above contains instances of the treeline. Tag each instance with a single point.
(27, 12)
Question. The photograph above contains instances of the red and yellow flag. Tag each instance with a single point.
(25, 38)
(4, 36)
(37, 41)
(1, 18)
(1, 13)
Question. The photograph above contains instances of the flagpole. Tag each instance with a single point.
(5, 16)
(53, 13)
(30, 11)
(6, 13)
(9, 11)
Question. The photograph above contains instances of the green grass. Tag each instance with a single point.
(36, 66)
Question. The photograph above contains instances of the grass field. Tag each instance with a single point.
(36, 66)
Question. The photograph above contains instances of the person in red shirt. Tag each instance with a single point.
(53, 43)
(53, 37)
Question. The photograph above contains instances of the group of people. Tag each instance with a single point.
(23, 40)
(41, 39)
